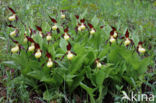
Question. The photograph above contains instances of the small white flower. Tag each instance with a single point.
(12, 34)
(63, 16)
(49, 63)
(54, 27)
(15, 49)
(66, 36)
(31, 48)
(112, 39)
(82, 26)
(38, 53)
(115, 34)
(141, 49)
(70, 55)
(48, 37)
(127, 42)
(98, 65)
(92, 31)
(12, 18)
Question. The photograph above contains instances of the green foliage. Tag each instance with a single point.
(122, 67)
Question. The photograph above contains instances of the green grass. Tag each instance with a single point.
(136, 15)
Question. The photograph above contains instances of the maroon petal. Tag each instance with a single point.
(140, 43)
(12, 10)
(69, 46)
(37, 46)
(101, 27)
(90, 25)
(48, 55)
(16, 18)
(114, 29)
(112, 33)
(127, 34)
(82, 20)
(66, 30)
(77, 17)
(39, 28)
(30, 39)
(63, 11)
(11, 26)
(53, 20)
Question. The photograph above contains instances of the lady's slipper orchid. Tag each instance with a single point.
(63, 16)
(54, 27)
(112, 39)
(140, 49)
(66, 36)
(115, 34)
(32, 46)
(40, 31)
(98, 63)
(38, 53)
(15, 49)
(69, 53)
(92, 31)
(127, 40)
(13, 33)
(82, 26)
(48, 36)
(13, 17)
(49, 62)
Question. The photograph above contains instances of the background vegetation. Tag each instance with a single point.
(137, 15)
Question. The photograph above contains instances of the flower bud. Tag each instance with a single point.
(70, 55)
(15, 49)
(127, 42)
(49, 63)
(112, 40)
(48, 37)
(31, 48)
(12, 18)
(38, 53)
(12, 34)
(63, 16)
(54, 27)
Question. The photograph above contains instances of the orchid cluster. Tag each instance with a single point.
(81, 25)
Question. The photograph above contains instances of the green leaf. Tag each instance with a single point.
(90, 91)
(47, 96)
(63, 44)
(95, 21)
